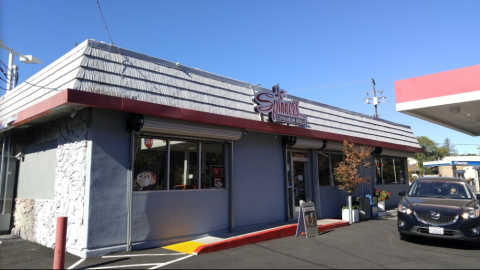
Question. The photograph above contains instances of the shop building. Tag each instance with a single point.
(142, 151)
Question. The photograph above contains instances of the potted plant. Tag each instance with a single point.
(382, 196)
(355, 213)
(347, 172)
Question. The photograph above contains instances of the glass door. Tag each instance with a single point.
(297, 178)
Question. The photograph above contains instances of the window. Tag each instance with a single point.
(183, 165)
(181, 157)
(335, 159)
(324, 170)
(212, 164)
(150, 164)
(326, 166)
(389, 170)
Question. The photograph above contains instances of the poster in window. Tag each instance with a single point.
(145, 180)
(217, 176)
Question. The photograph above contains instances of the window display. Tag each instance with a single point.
(149, 165)
(151, 159)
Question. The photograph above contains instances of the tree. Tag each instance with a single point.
(432, 153)
(347, 171)
(450, 148)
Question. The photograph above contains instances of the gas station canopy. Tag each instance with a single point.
(450, 99)
(455, 161)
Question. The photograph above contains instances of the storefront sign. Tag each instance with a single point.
(307, 220)
(278, 109)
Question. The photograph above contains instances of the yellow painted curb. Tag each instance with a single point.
(185, 247)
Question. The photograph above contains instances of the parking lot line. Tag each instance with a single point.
(125, 266)
(77, 263)
(142, 255)
(174, 261)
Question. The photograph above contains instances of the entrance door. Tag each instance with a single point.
(297, 182)
(6, 194)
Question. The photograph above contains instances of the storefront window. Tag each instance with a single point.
(213, 166)
(389, 170)
(335, 160)
(378, 171)
(183, 165)
(151, 159)
(150, 164)
(326, 167)
(323, 170)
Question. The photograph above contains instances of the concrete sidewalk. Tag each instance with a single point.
(245, 237)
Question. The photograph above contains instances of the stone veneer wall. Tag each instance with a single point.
(35, 220)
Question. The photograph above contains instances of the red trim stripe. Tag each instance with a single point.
(87, 99)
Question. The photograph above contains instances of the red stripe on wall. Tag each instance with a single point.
(457, 81)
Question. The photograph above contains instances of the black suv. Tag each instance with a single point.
(439, 207)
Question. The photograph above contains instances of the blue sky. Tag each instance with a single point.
(327, 51)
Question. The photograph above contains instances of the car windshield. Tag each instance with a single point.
(439, 189)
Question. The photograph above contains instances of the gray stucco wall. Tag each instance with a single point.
(259, 183)
(36, 178)
(178, 214)
(106, 215)
(35, 219)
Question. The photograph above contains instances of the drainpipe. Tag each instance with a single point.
(5, 175)
(287, 202)
(231, 218)
(2, 167)
(130, 191)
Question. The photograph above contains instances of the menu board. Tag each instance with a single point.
(307, 220)
(217, 176)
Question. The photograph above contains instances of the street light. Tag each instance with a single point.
(28, 59)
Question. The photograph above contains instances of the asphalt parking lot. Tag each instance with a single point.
(372, 244)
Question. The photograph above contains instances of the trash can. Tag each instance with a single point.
(365, 208)
(373, 206)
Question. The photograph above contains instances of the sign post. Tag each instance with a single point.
(307, 221)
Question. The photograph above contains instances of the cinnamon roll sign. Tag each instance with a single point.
(278, 109)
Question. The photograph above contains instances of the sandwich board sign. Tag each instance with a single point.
(307, 221)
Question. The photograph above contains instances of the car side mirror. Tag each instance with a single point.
(478, 197)
(402, 193)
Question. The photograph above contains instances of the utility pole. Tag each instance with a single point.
(375, 100)
(12, 69)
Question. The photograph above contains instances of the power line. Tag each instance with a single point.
(111, 40)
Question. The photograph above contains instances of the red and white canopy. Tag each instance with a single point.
(450, 98)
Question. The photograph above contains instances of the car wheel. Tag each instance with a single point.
(404, 237)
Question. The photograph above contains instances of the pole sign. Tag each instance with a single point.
(278, 109)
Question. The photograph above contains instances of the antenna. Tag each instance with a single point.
(375, 100)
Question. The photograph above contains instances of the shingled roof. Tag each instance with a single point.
(100, 68)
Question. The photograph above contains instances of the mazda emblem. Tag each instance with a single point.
(435, 216)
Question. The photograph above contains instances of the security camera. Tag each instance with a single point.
(19, 156)
(178, 63)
